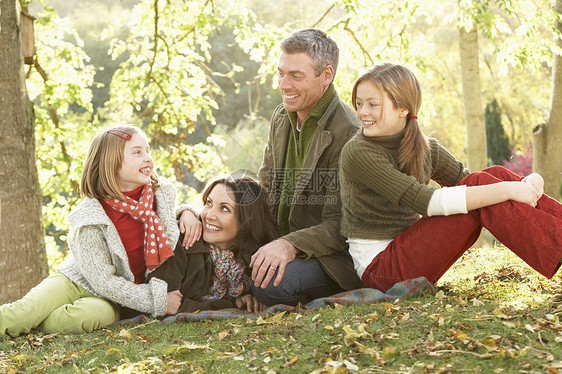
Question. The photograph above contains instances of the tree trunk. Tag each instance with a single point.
(476, 154)
(547, 137)
(23, 262)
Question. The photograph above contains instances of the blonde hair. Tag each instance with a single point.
(103, 162)
(404, 91)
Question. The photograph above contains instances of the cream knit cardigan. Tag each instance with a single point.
(99, 263)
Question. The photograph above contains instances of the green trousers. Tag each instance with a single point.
(57, 305)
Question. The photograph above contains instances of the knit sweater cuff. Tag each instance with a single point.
(184, 207)
(159, 290)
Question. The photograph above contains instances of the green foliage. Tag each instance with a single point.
(243, 146)
(59, 85)
(197, 75)
(169, 84)
(496, 140)
(165, 83)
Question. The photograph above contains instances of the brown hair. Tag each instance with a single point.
(104, 159)
(404, 91)
(256, 224)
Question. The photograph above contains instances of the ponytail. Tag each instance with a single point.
(412, 150)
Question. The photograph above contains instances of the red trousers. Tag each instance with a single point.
(433, 244)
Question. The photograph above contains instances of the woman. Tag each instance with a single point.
(213, 273)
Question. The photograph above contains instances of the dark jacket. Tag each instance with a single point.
(189, 271)
(315, 213)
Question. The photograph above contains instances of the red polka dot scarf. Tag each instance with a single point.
(157, 248)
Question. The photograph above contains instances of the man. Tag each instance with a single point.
(299, 168)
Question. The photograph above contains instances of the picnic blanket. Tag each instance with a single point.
(407, 288)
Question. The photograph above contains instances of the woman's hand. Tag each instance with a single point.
(191, 227)
(250, 302)
(174, 302)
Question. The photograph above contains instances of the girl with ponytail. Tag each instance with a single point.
(400, 228)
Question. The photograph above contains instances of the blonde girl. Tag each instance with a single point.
(124, 228)
(384, 173)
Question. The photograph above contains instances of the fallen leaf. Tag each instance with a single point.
(366, 350)
(460, 335)
(350, 366)
(388, 351)
(476, 302)
(223, 334)
(21, 358)
(125, 334)
(529, 327)
(113, 351)
(405, 317)
(499, 313)
(291, 361)
(490, 343)
(555, 365)
(183, 348)
(276, 318)
(352, 334)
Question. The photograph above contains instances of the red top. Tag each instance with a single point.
(131, 232)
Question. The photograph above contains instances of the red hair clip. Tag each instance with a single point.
(121, 134)
(414, 117)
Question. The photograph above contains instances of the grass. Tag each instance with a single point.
(489, 314)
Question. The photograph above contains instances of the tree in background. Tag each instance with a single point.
(547, 137)
(474, 118)
(22, 250)
(167, 82)
(60, 86)
(496, 140)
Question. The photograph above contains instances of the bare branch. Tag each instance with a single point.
(324, 15)
(53, 113)
(366, 54)
(155, 47)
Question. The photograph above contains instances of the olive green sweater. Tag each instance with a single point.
(297, 151)
(378, 200)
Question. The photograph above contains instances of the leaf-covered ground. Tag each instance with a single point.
(489, 314)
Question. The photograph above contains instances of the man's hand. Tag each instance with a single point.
(174, 302)
(273, 256)
(191, 227)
